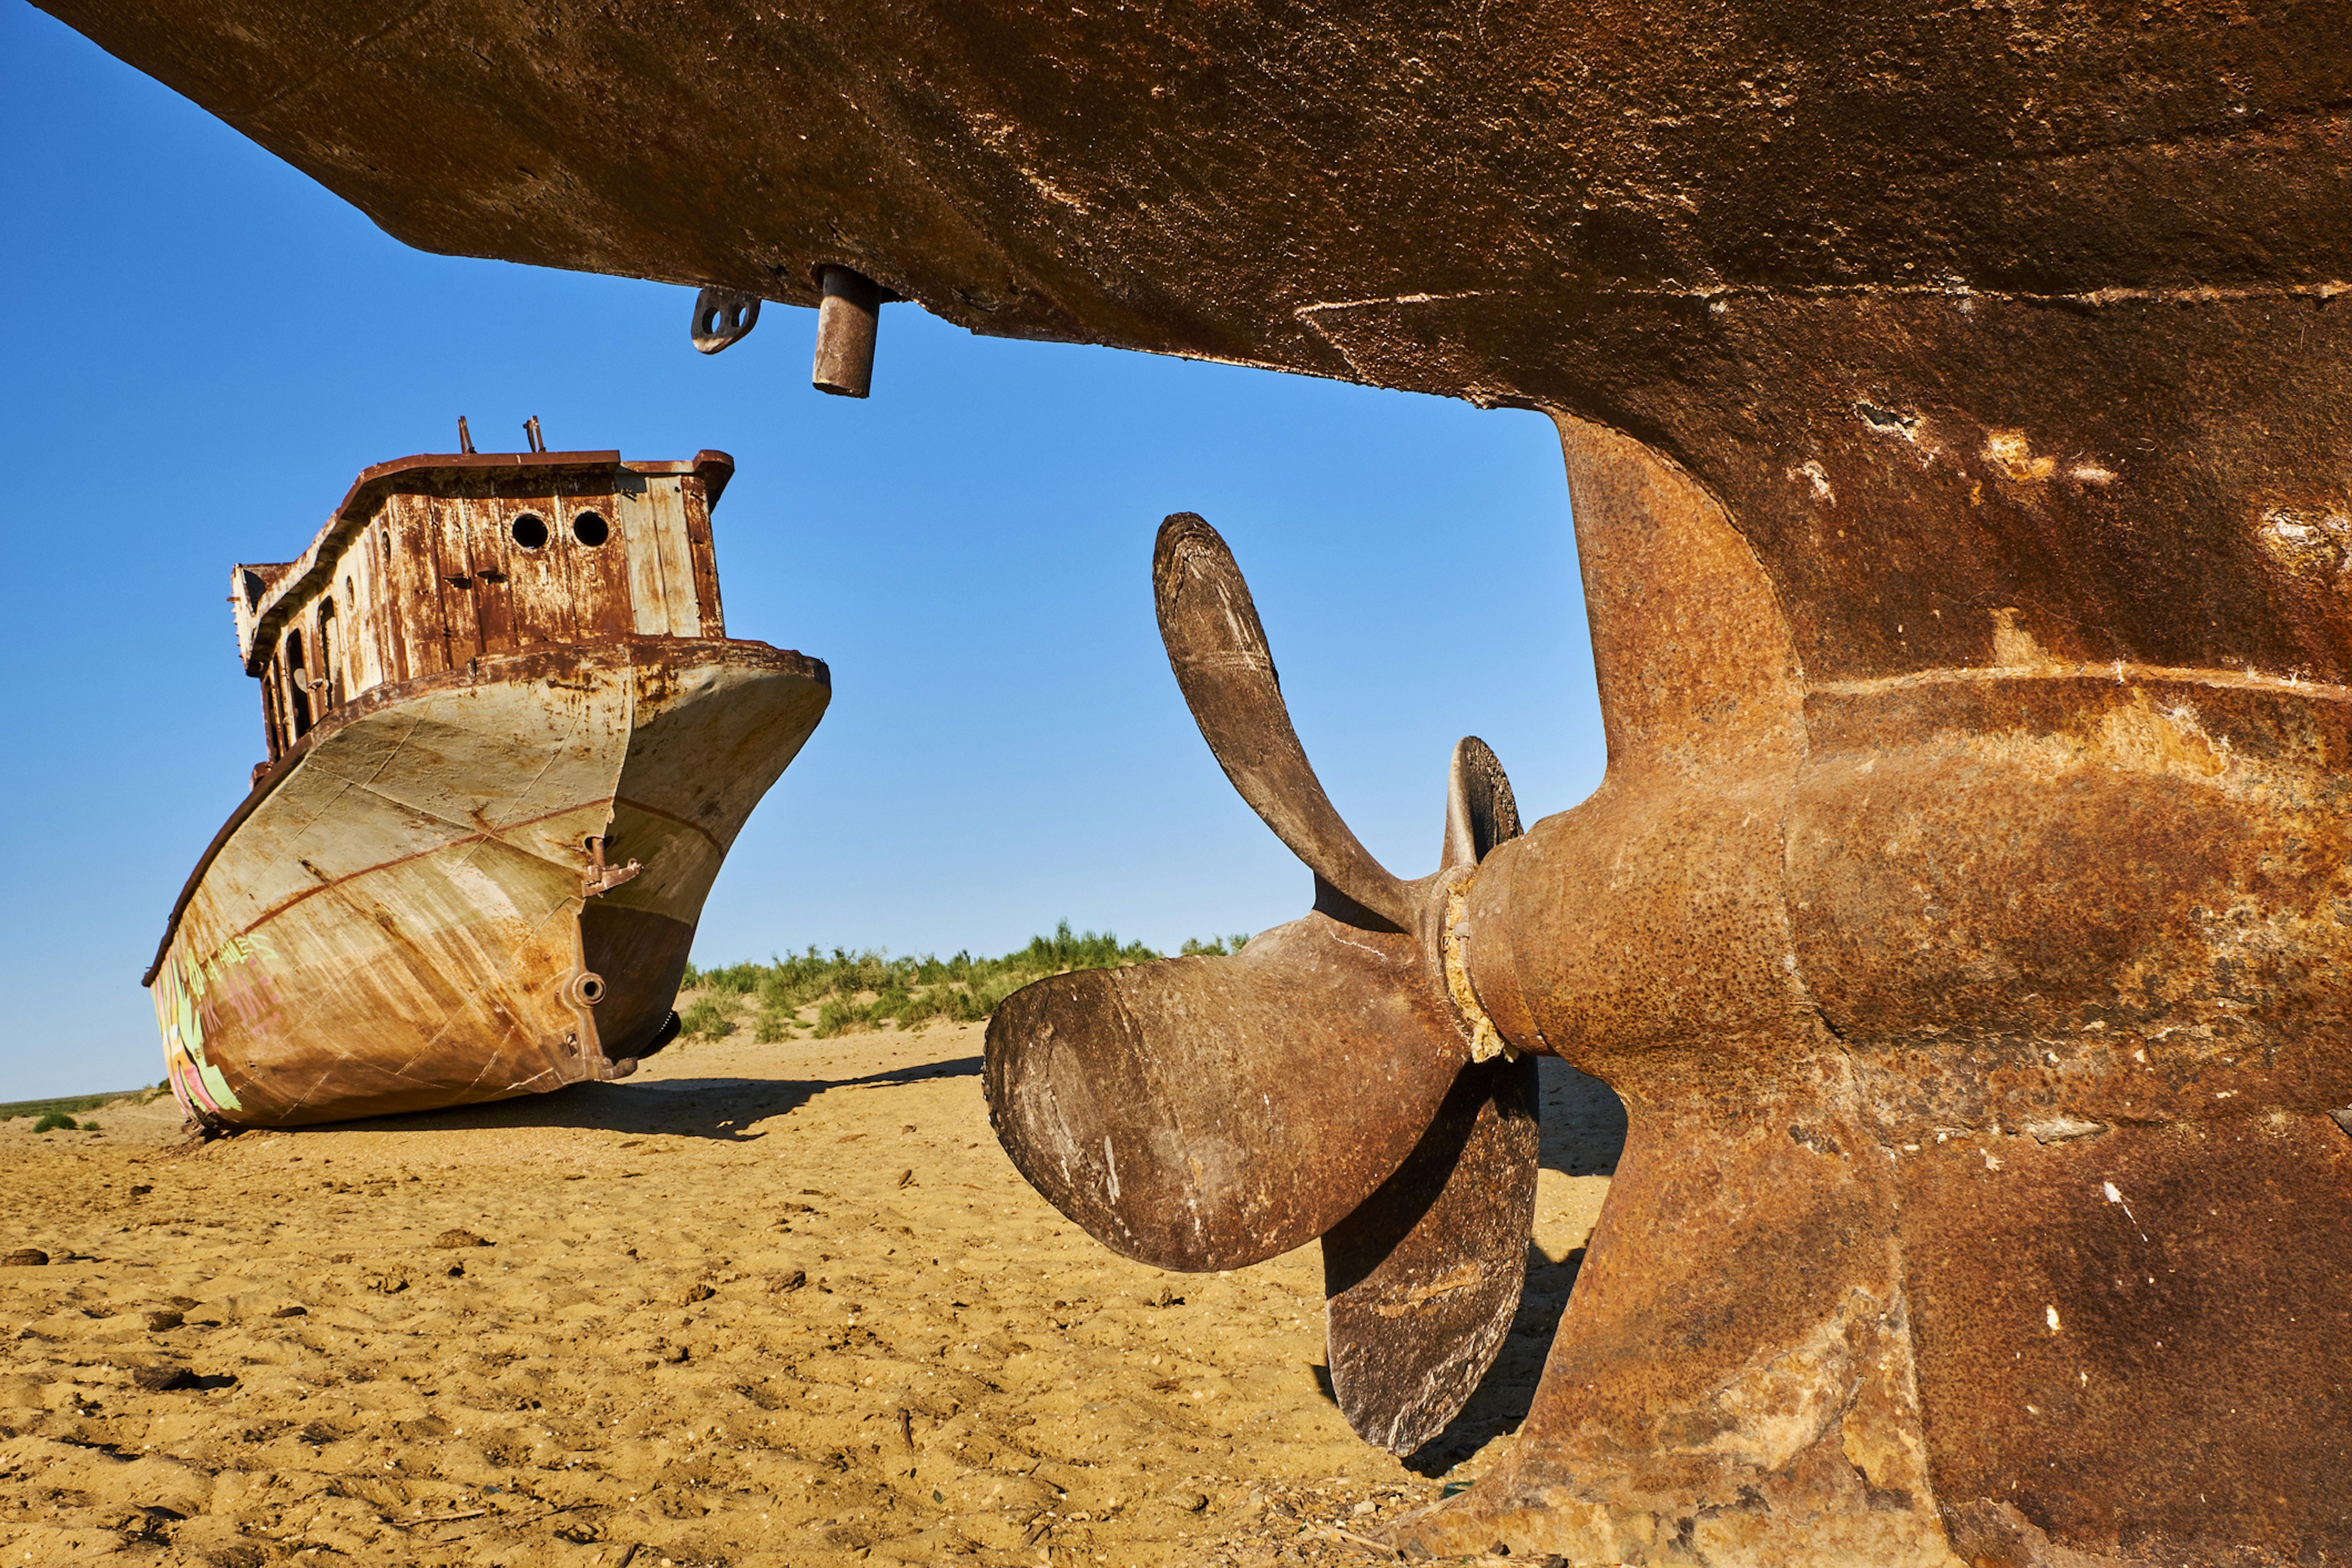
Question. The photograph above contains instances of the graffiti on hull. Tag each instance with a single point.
(190, 994)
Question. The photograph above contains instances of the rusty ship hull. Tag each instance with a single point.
(406, 912)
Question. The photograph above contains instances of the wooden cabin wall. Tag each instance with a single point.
(673, 585)
(483, 591)
(387, 648)
(444, 576)
(358, 597)
(703, 557)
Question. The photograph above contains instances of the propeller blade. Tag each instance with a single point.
(1425, 1279)
(1480, 811)
(1202, 1114)
(1218, 650)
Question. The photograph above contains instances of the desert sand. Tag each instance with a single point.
(759, 1304)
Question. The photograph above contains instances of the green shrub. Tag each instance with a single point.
(1216, 946)
(31, 1109)
(907, 991)
(52, 1120)
(735, 980)
(708, 1018)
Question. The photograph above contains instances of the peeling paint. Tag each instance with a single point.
(413, 908)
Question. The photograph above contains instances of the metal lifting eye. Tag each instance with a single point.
(722, 317)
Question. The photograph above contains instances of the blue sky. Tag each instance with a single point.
(205, 346)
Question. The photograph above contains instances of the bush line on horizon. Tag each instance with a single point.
(55, 1115)
(907, 991)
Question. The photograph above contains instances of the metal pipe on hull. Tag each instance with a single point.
(846, 320)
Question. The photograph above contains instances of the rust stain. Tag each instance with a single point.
(1911, 987)
(694, 827)
(1952, 407)
(473, 940)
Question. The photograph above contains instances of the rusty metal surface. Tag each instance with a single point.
(396, 921)
(1480, 809)
(1217, 648)
(2175, 1276)
(1255, 181)
(510, 744)
(1962, 954)
(722, 318)
(1733, 1381)
(527, 476)
(2060, 932)
(849, 310)
(1207, 1113)
(1952, 402)
(1423, 1277)
(1330, 1081)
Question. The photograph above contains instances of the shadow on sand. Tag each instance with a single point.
(1583, 1135)
(720, 1108)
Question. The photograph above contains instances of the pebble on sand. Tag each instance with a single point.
(157, 1379)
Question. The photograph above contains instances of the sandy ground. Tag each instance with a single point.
(761, 1304)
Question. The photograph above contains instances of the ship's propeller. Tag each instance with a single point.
(1218, 650)
(1205, 1113)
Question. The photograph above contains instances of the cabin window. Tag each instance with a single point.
(590, 528)
(327, 654)
(384, 533)
(529, 530)
(298, 682)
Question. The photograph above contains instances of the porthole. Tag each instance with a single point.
(529, 530)
(590, 528)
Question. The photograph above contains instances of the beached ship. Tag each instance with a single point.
(510, 744)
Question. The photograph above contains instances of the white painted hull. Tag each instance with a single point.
(403, 917)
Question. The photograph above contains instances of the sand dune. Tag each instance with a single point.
(762, 1304)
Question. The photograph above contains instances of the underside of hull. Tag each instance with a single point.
(474, 885)
(1951, 398)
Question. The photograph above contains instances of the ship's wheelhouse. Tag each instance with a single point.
(432, 563)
